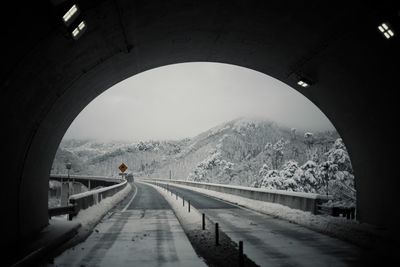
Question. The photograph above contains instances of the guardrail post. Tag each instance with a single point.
(183, 201)
(75, 211)
(203, 224)
(188, 205)
(216, 234)
(241, 258)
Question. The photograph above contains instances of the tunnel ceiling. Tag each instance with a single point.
(47, 77)
(285, 39)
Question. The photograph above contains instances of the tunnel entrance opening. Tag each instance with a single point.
(204, 123)
(210, 122)
(49, 78)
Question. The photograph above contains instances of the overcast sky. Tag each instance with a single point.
(183, 100)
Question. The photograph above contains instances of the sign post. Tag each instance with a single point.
(123, 168)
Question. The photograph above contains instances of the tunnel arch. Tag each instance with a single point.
(294, 97)
(48, 86)
(224, 69)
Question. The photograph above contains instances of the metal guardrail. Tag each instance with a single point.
(89, 181)
(71, 210)
(296, 200)
(86, 199)
(85, 177)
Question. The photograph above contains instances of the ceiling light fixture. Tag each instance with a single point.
(385, 29)
(79, 30)
(303, 83)
(72, 13)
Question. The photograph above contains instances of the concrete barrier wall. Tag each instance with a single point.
(295, 200)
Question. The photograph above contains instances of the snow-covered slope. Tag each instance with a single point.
(250, 152)
(234, 152)
(237, 147)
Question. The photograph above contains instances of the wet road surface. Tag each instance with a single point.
(145, 233)
(273, 242)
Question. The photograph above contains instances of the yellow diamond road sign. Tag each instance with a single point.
(123, 167)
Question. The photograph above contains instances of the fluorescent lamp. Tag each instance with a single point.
(81, 25)
(385, 29)
(303, 83)
(75, 32)
(70, 13)
(79, 30)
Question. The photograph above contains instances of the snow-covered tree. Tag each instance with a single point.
(261, 174)
(271, 180)
(263, 171)
(309, 178)
(339, 155)
(337, 173)
(290, 176)
(277, 156)
(309, 138)
(213, 167)
(268, 147)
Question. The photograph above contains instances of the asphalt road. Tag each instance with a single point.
(201, 201)
(148, 198)
(273, 242)
(144, 233)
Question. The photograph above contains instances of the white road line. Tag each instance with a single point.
(130, 201)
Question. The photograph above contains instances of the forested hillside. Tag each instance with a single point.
(249, 152)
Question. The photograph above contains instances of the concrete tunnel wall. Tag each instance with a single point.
(48, 78)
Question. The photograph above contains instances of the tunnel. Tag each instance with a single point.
(48, 76)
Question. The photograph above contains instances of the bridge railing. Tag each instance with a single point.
(296, 200)
(87, 180)
(84, 177)
(77, 202)
(56, 211)
(86, 199)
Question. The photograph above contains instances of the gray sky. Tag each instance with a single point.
(183, 100)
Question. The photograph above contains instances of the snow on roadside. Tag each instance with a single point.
(359, 233)
(203, 241)
(93, 214)
(190, 220)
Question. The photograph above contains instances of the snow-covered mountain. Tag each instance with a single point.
(232, 152)
(102, 158)
(249, 152)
